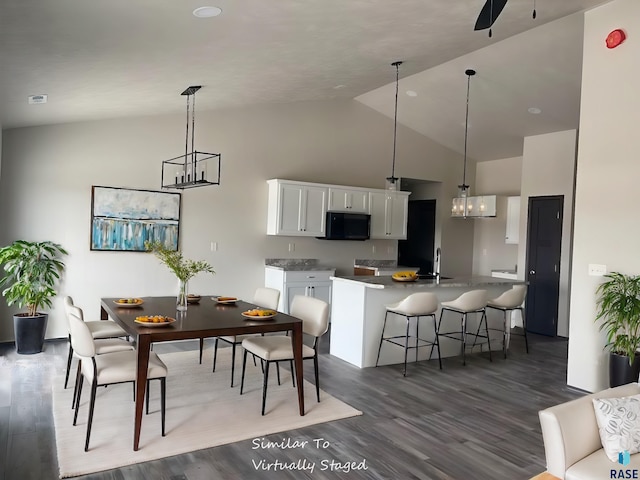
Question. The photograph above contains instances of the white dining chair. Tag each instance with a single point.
(314, 314)
(100, 329)
(264, 297)
(109, 369)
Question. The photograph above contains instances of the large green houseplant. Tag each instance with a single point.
(30, 273)
(618, 304)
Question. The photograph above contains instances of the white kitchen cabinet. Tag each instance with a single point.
(513, 220)
(311, 283)
(389, 215)
(344, 200)
(296, 209)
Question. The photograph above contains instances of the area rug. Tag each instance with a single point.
(202, 412)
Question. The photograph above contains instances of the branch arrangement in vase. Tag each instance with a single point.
(183, 268)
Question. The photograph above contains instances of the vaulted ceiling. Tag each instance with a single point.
(98, 60)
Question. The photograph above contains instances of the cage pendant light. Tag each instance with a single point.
(194, 168)
(392, 181)
(461, 204)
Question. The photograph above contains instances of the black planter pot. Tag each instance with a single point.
(29, 332)
(620, 372)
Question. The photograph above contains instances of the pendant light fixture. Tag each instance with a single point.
(461, 204)
(392, 181)
(193, 169)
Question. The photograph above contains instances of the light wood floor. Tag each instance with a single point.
(462, 423)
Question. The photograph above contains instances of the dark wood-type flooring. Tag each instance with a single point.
(462, 423)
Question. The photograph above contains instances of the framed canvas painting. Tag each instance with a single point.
(123, 219)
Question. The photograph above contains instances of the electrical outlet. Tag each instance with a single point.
(373, 249)
(292, 247)
(596, 270)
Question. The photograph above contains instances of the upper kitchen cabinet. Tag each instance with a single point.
(344, 200)
(389, 214)
(513, 220)
(296, 209)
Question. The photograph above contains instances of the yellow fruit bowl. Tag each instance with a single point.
(404, 276)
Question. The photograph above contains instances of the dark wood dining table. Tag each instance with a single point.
(205, 319)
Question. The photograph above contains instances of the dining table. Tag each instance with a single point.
(208, 318)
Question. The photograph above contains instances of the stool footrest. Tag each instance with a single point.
(419, 342)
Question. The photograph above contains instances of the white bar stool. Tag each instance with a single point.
(510, 301)
(422, 304)
(474, 301)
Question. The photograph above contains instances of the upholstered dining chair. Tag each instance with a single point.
(314, 314)
(263, 297)
(100, 329)
(103, 345)
(109, 369)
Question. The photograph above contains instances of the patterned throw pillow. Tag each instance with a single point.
(619, 424)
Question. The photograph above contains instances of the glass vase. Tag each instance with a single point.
(181, 299)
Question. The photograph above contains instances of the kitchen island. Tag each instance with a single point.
(357, 316)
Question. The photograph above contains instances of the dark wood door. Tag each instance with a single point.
(417, 250)
(544, 240)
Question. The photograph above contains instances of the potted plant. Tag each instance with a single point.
(31, 271)
(619, 310)
(183, 268)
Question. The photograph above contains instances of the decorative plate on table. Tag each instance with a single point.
(404, 276)
(128, 302)
(152, 321)
(225, 300)
(192, 299)
(259, 314)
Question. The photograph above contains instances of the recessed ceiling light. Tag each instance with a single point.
(411, 93)
(338, 87)
(34, 99)
(206, 12)
(534, 110)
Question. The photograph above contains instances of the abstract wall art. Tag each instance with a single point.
(123, 219)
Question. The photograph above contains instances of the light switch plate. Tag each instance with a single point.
(597, 270)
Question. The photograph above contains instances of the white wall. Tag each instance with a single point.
(490, 252)
(548, 168)
(606, 230)
(47, 173)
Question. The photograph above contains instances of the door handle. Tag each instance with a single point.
(532, 272)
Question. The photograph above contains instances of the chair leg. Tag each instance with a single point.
(406, 348)
(293, 377)
(233, 361)
(463, 328)
(278, 371)
(417, 335)
(315, 369)
(244, 367)
(264, 386)
(69, 358)
(436, 341)
(215, 353)
(77, 407)
(148, 395)
(163, 401)
(201, 348)
(382, 336)
(504, 334)
(75, 387)
(486, 330)
(92, 402)
(524, 329)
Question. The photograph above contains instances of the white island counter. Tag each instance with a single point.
(357, 316)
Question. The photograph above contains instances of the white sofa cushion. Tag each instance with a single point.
(618, 424)
(598, 467)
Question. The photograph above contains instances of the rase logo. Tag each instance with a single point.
(624, 459)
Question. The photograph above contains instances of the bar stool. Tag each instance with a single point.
(423, 304)
(474, 301)
(510, 301)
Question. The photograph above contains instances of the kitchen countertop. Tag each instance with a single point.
(388, 282)
(296, 264)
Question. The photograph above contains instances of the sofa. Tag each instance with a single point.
(572, 444)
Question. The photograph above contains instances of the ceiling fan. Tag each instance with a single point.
(490, 12)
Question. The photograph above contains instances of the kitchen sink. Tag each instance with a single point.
(431, 276)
